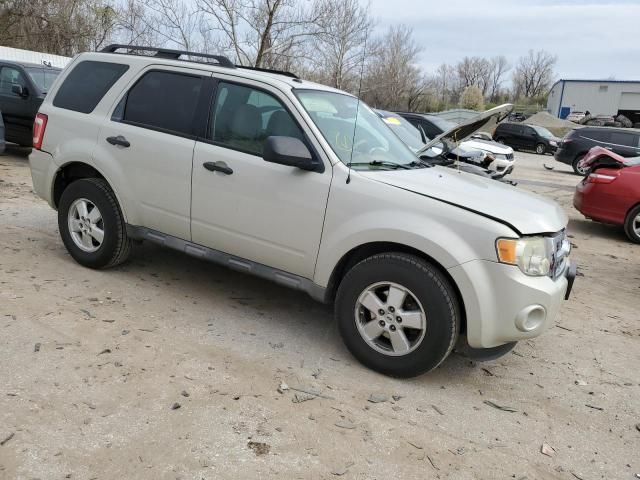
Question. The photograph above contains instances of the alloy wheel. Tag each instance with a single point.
(85, 225)
(390, 318)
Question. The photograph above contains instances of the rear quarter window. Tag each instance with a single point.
(86, 84)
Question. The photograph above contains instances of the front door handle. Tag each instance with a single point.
(119, 140)
(218, 167)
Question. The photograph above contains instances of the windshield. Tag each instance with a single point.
(441, 123)
(42, 77)
(409, 134)
(543, 132)
(372, 141)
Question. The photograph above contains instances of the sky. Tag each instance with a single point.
(592, 38)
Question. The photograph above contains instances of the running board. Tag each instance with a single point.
(235, 263)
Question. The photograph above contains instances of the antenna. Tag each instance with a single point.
(355, 123)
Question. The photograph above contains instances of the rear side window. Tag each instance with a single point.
(164, 101)
(86, 84)
(622, 138)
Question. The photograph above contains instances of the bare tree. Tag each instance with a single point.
(498, 70)
(533, 74)
(175, 22)
(339, 46)
(472, 98)
(391, 72)
(474, 71)
(262, 33)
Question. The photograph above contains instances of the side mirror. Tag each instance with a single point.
(19, 90)
(289, 151)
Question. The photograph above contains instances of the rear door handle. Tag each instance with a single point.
(119, 140)
(218, 167)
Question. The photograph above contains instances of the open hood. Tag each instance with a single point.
(465, 129)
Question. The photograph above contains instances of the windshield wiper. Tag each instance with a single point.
(381, 163)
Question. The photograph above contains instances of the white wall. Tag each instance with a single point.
(18, 55)
(600, 98)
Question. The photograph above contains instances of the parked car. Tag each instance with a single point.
(2, 141)
(439, 153)
(301, 184)
(575, 145)
(22, 89)
(610, 192)
(576, 116)
(482, 136)
(526, 137)
(431, 126)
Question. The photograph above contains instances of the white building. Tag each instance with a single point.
(599, 97)
(27, 56)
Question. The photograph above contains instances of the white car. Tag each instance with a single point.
(303, 185)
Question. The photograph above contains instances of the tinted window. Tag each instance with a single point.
(622, 138)
(10, 76)
(86, 84)
(598, 135)
(164, 101)
(43, 77)
(243, 117)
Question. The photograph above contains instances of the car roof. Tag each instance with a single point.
(274, 78)
(28, 64)
(611, 129)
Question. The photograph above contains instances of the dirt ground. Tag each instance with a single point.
(169, 368)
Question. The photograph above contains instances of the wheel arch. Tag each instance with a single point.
(76, 170)
(359, 253)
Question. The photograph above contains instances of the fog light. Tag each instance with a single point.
(530, 318)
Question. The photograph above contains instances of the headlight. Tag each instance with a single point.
(533, 255)
(553, 142)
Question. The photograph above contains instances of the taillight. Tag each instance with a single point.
(38, 130)
(601, 178)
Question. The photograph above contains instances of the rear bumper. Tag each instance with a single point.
(562, 155)
(504, 305)
(43, 171)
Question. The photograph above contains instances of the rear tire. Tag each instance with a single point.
(410, 339)
(632, 224)
(541, 149)
(91, 224)
(579, 171)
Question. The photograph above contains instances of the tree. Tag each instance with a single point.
(474, 71)
(498, 69)
(472, 98)
(339, 46)
(391, 74)
(533, 74)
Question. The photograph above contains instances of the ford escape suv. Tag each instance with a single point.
(303, 185)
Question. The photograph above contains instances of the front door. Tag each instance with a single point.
(267, 213)
(18, 111)
(150, 136)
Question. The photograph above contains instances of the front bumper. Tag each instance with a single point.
(504, 305)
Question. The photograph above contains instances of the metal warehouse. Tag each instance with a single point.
(599, 97)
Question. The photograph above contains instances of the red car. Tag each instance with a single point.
(610, 193)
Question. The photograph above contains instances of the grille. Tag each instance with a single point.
(509, 156)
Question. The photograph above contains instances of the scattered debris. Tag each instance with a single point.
(487, 372)
(106, 350)
(259, 448)
(175, 406)
(378, 398)
(396, 397)
(414, 445)
(87, 313)
(6, 439)
(499, 407)
(547, 450)
(581, 383)
(594, 407)
(345, 424)
(563, 328)
(548, 167)
(302, 397)
(638, 426)
(36, 347)
(283, 387)
(184, 393)
(577, 476)
(431, 462)
(437, 409)
(310, 392)
(342, 471)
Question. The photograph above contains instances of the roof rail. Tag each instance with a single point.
(168, 53)
(270, 70)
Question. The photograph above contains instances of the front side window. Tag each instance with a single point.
(543, 132)
(366, 143)
(86, 84)
(164, 101)
(244, 117)
(10, 76)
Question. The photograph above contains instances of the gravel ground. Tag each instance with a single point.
(169, 368)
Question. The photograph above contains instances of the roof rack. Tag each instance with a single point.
(270, 70)
(176, 54)
(167, 53)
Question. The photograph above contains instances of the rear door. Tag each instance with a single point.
(151, 136)
(528, 137)
(267, 213)
(624, 143)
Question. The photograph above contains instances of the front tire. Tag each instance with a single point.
(397, 314)
(632, 224)
(91, 224)
(541, 149)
